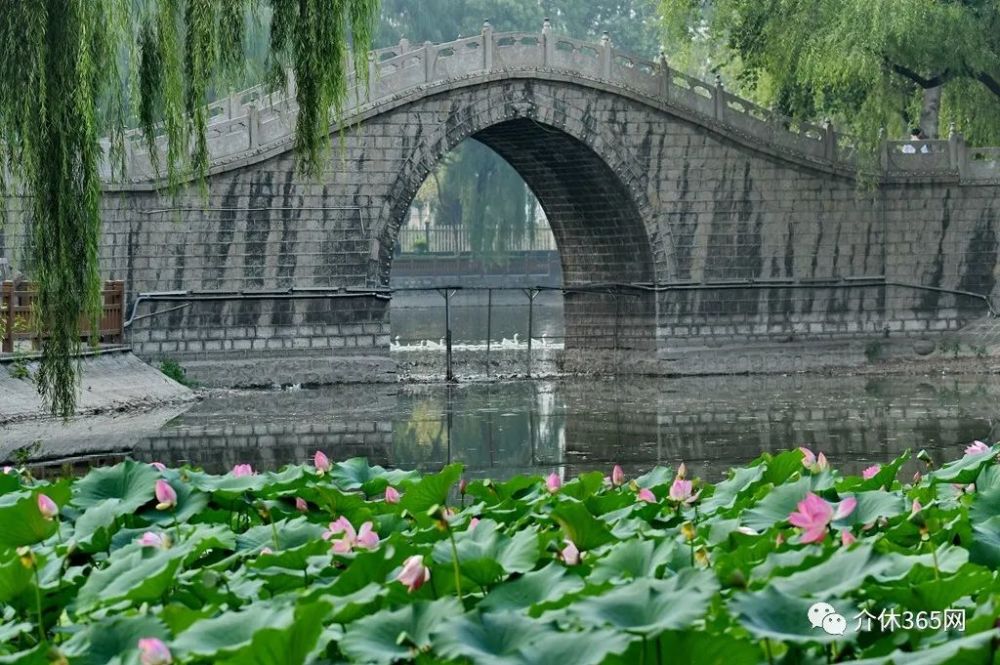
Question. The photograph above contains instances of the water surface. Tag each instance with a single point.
(501, 429)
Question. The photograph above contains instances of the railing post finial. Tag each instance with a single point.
(404, 45)
(829, 140)
(606, 56)
(487, 46)
(546, 26)
(720, 98)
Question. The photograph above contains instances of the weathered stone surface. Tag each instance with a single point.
(677, 222)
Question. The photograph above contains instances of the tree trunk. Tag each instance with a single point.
(931, 111)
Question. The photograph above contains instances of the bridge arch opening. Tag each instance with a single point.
(603, 244)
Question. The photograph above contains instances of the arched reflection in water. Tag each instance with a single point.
(498, 430)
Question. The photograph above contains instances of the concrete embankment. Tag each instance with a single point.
(121, 399)
(111, 381)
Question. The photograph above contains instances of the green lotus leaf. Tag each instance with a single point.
(267, 633)
(422, 495)
(741, 482)
(965, 469)
(533, 589)
(586, 531)
(392, 635)
(497, 637)
(22, 522)
(633, 559)
(485, 554)
(113, 637)
(137, 574)
(648, 607)
(770, 613)
(131, 482)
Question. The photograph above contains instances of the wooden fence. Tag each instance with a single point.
(17, 300)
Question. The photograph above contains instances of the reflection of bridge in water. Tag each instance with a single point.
(497, 431)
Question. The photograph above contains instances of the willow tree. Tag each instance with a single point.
(74, 71)
(865, 64)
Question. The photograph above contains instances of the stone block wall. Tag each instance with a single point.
(672, 228)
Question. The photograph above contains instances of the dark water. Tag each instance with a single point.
(498, 430)
(419, 316)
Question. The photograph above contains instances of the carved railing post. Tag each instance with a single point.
(372, 67)
(548, 44)
(829, 141)
(404, 45)
(884, 149)
(487, 46)
(253, 126)
(958, 152)
(428, 62)
(663, 71)
(606, 56)
(719, 96)
(232, 104)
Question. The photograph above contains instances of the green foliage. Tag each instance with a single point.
(66, 67)
(865, 65)
(175, 371)
(873, 351)
(638, 593)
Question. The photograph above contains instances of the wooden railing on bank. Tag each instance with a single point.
(17, 300)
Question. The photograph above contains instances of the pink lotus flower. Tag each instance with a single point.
(154, 652)
(473, 523)
(301, 505)
(977, 448)
(242, 470)
(847, 538)
(151, 539)
(570, 555)
(7, 470)
(871, 471)
(553, 483)
(646, 495)
(617, 476)
(366, 538)
(917, 478)
(159, 466)
(391, 495)
(414, 573)
(813, 514)
(680, 491)
(682, 471)
(47, 507)
(814, 463)
(463, 486)
(165, 494)
(321, 462)
(915, 508)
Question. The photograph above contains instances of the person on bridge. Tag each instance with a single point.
(916, 134)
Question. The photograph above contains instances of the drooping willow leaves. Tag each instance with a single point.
(66, 70)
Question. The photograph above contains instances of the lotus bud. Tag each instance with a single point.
(682, 471)
(47, 507)
(701, 557)
(391, 495)
(617, 476)
(847, 538)
(301, 505)
(688, 531)
(414, 573)
(321, 462)
(165, 494)
(154, 652)
(570, 555)
(646, 495)
(463, 486)
(553, 483)
(26, 556)
(242, 470)
(159, 466)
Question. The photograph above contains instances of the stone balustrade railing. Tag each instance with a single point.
(257, 120)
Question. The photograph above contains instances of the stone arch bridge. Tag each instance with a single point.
(685, 217)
